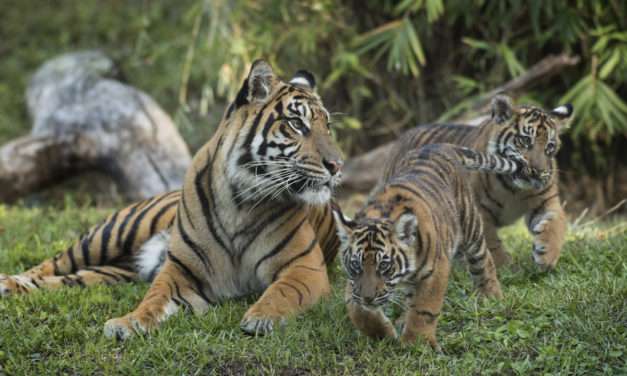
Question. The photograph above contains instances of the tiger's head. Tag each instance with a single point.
(286, 150)
(531, 133)
(377, 254)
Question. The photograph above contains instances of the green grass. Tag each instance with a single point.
(571, 321)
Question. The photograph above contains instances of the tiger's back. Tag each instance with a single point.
(525, 131)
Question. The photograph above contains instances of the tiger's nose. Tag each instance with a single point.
(333, 166)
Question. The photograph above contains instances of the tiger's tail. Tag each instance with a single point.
(488, 162)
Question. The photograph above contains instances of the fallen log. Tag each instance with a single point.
(85, 120)
(362, 172)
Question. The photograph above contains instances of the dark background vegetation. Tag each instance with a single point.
(382, 66)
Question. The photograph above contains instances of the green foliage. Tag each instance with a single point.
(382, 65)
(571, 321)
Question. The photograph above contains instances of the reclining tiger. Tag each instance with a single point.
(253, 217)
(525, 130)
(420, 215)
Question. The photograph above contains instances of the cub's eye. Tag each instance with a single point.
(524, 141)
(355, 264)
(551, 148)
(384, 265)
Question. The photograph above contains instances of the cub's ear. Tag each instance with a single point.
(304, 79)
(562, 115)
(343, 224)
(406, 229)
(259, 84)
(502, 108)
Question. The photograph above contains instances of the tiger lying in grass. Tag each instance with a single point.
(253, 217)
(519, 130)
(416, 220)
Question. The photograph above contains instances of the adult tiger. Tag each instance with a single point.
(420, 216)
(525, 130)
(253, 216)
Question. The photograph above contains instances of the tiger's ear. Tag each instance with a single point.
(502, 108)
(406, 229)
(343, 224)
(304, 79)
(562, 115)
(258, 86)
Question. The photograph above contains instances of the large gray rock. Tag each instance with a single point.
(83, 119)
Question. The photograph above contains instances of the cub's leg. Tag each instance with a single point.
(24, 283)
(548, 226)
(298, 283)
(499, 255)
(482, 269)
(424, 306)
(175, 285)
(372, 323)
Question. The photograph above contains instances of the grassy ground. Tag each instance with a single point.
(571, 321)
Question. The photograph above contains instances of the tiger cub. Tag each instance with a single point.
(512, 130)
(253, 217)
(419, 217)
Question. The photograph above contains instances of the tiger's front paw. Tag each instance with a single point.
(122, 328)
(259, 325)
(11, 285)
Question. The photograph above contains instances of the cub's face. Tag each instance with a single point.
(377, 256)
(288, 151)
(533, 134)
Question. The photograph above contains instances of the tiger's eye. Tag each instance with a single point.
(524, 141)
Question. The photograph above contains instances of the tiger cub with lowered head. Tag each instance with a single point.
(253, 217)
(512, 130)
(415, 221)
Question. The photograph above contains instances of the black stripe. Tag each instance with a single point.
(104, 239)
(85, 249)
(127, 248)
(431, 316)
(279, 247)
(307, 250)
(204, 201)
(124, 223)
(300, 294)
(110, 275)
(536, 211)
(160, 213)
(70, 253)
(198, 251)
(188, 273)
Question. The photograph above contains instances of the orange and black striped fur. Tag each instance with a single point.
(525, 131)
(253, 217)
(399, 247)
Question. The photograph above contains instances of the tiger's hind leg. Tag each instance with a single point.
(424, 306)
(24, 283)
(500, 256)
(482, 269)
(173, 287)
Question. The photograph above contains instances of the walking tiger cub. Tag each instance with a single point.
(420, 215)
(502, 199)
(253, 217)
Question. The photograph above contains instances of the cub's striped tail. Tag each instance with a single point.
(488, 162)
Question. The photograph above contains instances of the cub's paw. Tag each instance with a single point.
(545, 260)
(259, 326)
(123, 328)
(492, 291)
(11, 285)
